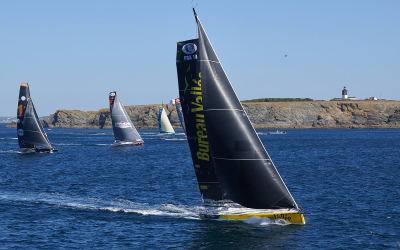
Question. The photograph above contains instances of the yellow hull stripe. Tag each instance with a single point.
(296, 218)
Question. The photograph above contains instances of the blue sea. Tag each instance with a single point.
(93, 195)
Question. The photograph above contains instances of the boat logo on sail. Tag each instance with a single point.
(23, 98)
(123, 125)
(201, 132)
(189, 48)
(20, 132)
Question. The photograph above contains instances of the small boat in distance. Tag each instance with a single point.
(276, 133)
(180, 114)
(236, 176)
(165, 127)
(31, 135)
(124, 131)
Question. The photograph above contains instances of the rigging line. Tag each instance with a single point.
(196, 29)
(278, 200)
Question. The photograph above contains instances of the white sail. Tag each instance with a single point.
(164, 124)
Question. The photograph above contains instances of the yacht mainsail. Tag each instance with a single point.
(164, 125)
(180, 114)
(30, 131)
(124, 130)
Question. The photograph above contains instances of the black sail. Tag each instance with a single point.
(22, 102)
(122, 125)
(244, 169)
(30, 131)
(192, 108)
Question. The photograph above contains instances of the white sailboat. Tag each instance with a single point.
(165, 127)
(180, 113)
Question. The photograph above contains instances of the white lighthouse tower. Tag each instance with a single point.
(344, 93)
(344, 96)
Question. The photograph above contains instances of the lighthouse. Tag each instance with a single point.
(344, 93)
(344, 96)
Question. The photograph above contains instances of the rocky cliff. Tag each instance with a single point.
(324, 114)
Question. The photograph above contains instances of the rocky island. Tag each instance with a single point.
(274, 115)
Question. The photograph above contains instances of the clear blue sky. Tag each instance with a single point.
(73, 53)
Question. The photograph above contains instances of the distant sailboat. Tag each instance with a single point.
(236, 176)
(124, 131)
(31, 135)
(276, 133)
(164, 125)
(180, 114)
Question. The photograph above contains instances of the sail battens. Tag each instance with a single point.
(223, 110)
(33, 131)
(210, 61)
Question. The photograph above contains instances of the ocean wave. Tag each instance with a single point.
(179, 133)
(61, 200)
(9, 151)
(126, 206)
(266, 221)
(67, 144)
(175, 139)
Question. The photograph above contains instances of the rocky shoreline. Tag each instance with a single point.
(268, 115)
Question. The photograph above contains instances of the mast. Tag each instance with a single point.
(245, 171)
